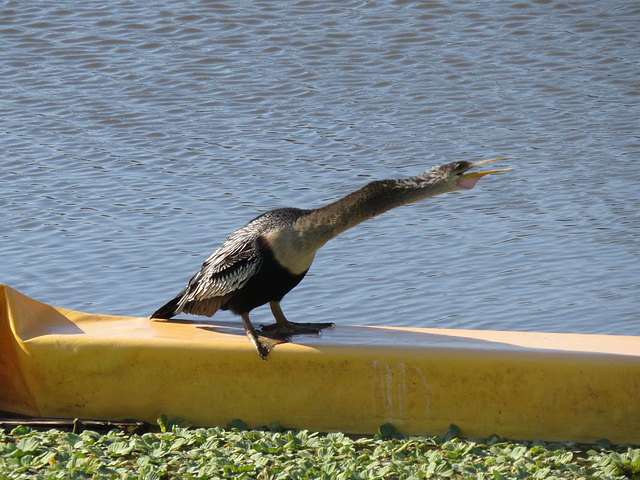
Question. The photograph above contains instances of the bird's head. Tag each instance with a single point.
(458, 176)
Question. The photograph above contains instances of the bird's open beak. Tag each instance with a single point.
(467, 181)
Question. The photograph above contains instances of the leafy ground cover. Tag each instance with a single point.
(180, 452)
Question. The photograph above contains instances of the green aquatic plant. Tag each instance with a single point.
(274, 453)
(167, 425)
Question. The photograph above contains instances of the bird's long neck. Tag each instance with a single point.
(296, 245)
(377, 197)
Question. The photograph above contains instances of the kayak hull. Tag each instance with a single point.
(56, 362)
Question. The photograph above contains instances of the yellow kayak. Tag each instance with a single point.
(56, 362)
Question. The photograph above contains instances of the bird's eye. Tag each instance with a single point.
(462, 167)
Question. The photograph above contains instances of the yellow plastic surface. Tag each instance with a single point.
(61, 363)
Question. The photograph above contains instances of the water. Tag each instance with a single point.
(135, 136)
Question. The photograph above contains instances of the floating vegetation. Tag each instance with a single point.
(269, 452)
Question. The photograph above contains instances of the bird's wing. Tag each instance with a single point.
(227, 270)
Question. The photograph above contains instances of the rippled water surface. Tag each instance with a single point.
(135, 136)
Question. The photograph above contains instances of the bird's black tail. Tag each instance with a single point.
(168, 310)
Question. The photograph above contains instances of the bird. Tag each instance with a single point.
(264, 260)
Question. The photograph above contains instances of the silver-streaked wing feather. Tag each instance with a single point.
(226, 271)
(230, 267)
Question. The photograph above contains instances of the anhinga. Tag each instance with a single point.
(261, 262)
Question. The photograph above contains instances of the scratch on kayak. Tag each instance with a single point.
(389, 389)
(427, 394)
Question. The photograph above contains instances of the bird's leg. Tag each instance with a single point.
(286, 327)
(263, 344)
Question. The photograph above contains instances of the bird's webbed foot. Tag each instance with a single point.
(285, 327)
(263, 342)
(293, 328)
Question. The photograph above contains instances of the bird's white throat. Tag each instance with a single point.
(291, 250)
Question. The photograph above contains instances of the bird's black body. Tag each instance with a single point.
(270, 283)
(247, 249)
(261, 262)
